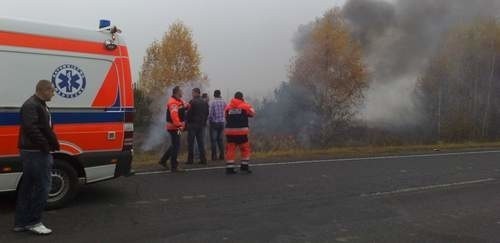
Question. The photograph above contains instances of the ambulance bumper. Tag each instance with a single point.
(106, 165)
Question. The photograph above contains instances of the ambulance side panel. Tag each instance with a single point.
(90, 118)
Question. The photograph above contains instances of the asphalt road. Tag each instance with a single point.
(423, 198)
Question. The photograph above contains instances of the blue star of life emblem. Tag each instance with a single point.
(69, 81)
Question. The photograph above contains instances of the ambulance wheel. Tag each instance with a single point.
(64, 185)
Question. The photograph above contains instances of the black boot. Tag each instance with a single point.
(163, 164)
(230, 171)
(164, 159)
(245, 168)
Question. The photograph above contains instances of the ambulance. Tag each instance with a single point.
(92, 110)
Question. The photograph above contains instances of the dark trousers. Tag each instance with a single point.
(198, 134)
(216, 130)
(34, 189)
(173, 150)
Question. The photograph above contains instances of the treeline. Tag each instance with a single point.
(459, 91)
(456, 93)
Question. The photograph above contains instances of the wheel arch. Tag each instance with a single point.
(73, 161)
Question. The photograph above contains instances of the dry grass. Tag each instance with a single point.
(374, 150)
(148, 159)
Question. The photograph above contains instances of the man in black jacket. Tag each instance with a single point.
(36, 140)
(196, 121)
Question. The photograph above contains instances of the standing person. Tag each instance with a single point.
(204, 97)
(176, 109)
(206, 140)
(36, 140)
(216, 120)
(236, 131)
(196, 122)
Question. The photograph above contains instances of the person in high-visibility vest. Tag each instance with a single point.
(237, 113)
(176, 109)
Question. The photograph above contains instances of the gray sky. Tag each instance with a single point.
(245, 44)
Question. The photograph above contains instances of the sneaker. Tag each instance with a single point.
(19, 229)
(39, 229)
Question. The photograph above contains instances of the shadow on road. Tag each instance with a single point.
(7, 202)
(94, 195)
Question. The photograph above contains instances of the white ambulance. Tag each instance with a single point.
(92, 110)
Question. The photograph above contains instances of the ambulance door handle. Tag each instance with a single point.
(111, 135)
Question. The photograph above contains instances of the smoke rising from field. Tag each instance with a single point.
(157, 135)
(398, 38)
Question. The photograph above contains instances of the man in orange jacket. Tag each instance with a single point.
(236, 131)
(176, 109)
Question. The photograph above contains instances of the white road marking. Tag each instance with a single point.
(333, 161)
(426, 188)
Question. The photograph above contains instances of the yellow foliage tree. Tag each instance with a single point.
(174, 60)
(329, 67)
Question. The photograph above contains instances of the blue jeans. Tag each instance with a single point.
(34, 189)
(216, 135)
(198, 134)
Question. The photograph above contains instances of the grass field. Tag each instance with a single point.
(146, 159)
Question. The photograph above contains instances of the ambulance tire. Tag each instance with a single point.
(64, 185)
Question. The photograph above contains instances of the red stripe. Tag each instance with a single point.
(236, 131)
(54, 43)
(8, 140)
(106, 96)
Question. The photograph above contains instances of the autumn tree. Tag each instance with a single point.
(174, 60)
(458, 91)
(330, 71)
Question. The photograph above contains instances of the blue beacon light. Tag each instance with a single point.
(104, 23)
